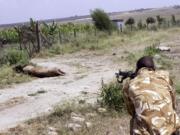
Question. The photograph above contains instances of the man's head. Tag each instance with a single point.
(146, 61)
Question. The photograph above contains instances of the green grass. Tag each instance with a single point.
(9, 77)
(14, 57)
(112, 96)
(104, 42)
(177, 87)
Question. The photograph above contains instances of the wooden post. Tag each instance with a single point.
(20, 40)
(60, 37)
(75, 33)
(38, 38)
(121, 28)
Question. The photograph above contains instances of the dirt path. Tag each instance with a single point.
(83, 80)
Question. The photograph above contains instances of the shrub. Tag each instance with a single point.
(140, 24)
(8, 76)
(101, 20)
(13, 56)
(173, 20)
(112, 96)
(159, 20)
(151, 50)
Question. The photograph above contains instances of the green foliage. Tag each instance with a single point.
(13, 56)
(173, 20)
(150, 20)
(50, 29)
(151, 50)
(101, 20)
(9, 35)
(159, 20)
(177, 87)
(8, 76)
(140, 24)
(130, 22)
(112, 96)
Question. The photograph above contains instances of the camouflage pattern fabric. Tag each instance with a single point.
(150, 100)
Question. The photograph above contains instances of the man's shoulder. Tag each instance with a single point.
(158, 73)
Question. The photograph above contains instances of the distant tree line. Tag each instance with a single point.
(152, 23)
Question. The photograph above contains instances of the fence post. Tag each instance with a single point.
(75, 33)
(60, 37)
(121, 28)
(38, 37)
(20, 40)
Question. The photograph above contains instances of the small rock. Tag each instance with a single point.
(88, 124)
(74, 126)
(52, 131)
(102, 110)
(163, 48)
(91, 115)
(114, 54)
(77, 119)
(73, 114)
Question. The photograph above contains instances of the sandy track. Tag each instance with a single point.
(28, 100)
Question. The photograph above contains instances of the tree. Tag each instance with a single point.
(130, 22)
(150, 20)
(173, 19)
(140, 24)
(101, 20)
(159, 20)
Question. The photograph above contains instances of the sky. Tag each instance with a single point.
(12, 11)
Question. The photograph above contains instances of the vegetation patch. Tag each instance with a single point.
(13, 57)
(151, 51)
(112, 96)
(94, 123)
(177, 87)
(9, 77)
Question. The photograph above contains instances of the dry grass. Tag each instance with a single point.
(102, 123)
(9, 77)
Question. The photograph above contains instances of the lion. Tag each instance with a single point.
(39, 71)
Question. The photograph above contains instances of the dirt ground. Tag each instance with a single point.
(85, 72)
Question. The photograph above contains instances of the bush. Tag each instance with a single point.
(112, 96)
(101, 20)
(130, 22)
(140, 24)
(8, 76)
(151, 51)
(13, 56)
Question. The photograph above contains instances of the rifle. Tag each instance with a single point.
(124, 75)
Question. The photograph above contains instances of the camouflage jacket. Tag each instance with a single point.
(150, 100)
